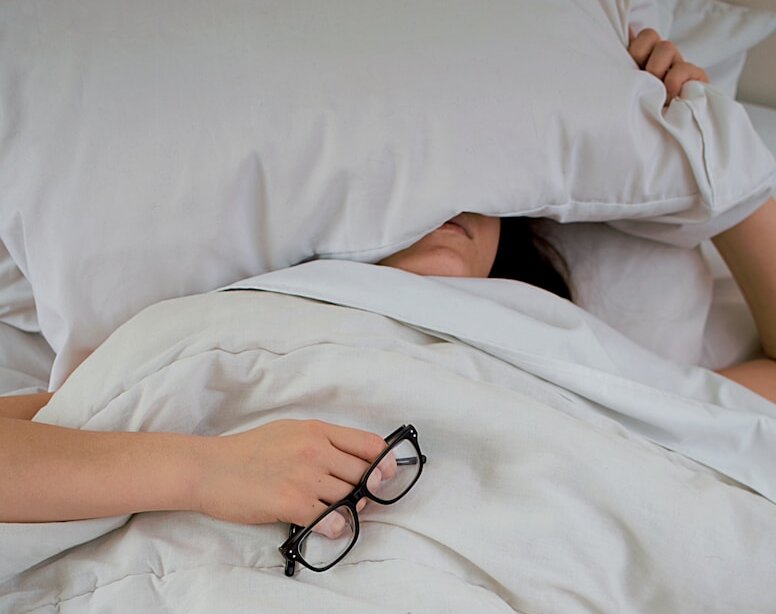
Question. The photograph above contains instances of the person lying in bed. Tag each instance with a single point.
(286, 469)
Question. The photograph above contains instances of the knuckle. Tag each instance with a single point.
(315, 430)
(315, 426)
(674, 87)
(674, 76)
(649, 33)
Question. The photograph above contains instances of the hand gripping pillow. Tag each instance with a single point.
(712, 34)
(151, 150)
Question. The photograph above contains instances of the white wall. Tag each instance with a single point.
(758, 81)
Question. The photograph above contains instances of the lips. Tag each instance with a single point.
(453, 227)
(461, 222)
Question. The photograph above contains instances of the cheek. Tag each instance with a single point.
(430, 256)
(438, 260)
(488, 246)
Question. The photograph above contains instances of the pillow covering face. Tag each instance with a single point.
(153, 150)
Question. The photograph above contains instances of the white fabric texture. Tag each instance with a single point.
(25, 361)
(158, 150)
(25, 357)
(17, 303)
(535, 496)
(764, 121)
(624, 373)
(655, 294)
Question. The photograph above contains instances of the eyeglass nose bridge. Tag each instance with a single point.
(358, 494)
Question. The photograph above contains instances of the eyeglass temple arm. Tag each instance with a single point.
(411, 460)
(290, 563)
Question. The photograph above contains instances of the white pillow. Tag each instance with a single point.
(657, 295)
(25, 361)
(153, 150)
(17, 303)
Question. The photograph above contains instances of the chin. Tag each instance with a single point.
(434, 260)
(439, 262)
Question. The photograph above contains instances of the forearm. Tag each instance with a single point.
(757, 375)
(50, 473)
(23, 407)
(749, 249)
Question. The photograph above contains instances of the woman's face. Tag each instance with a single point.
(464, 246)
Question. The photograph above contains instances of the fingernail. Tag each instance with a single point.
(373, 483)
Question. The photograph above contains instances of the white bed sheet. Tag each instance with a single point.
(583, 514)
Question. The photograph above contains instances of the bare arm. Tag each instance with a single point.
(52, 473)
(749, 249)
(23, 407)
(283, 470)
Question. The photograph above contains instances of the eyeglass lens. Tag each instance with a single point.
(398, 468)
(330, 538)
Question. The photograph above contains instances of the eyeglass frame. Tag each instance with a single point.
(289, 549)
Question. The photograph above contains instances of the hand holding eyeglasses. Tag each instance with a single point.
(333, 525)
(283, 471)
(388, 479)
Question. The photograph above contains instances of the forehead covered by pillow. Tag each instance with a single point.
(151, 149)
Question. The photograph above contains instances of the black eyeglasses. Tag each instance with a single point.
(400, 464)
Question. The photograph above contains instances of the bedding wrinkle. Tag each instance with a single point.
(706, 155)
(460, 566)
(251, 189)
(602, 381)
(182, 566)
(151, 150)
(565, 531)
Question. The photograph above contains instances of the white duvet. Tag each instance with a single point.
(545, 488)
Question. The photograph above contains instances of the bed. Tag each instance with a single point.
(581, 457)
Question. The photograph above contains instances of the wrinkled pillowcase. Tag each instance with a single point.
(655, 294)
(158, 150)
(17, 303)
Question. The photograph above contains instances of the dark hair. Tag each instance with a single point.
(525, 254)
